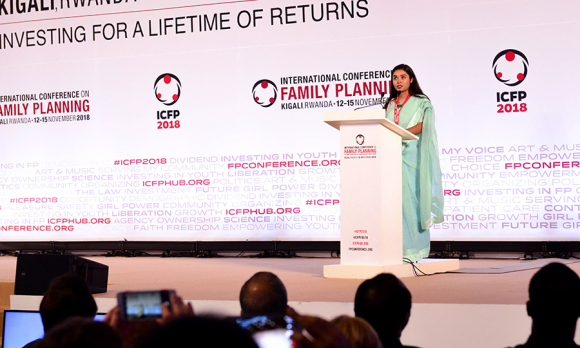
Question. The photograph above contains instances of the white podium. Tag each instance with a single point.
(371, 208)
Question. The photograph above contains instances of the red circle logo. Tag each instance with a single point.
(167, 89)
(510, 67)
(265, 93)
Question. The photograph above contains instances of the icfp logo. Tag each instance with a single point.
(265, 93)
(360, 139)
(167, 89)
(510, 67)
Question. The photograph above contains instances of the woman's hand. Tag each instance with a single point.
(416, 129)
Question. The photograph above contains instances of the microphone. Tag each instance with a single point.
(368, 106)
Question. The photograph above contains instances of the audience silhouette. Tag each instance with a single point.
(385, 303)
(382, 307)
(358, 331)
(554, 307)
(79, 332)
(263, 294)
(67, 296)
(201, 331)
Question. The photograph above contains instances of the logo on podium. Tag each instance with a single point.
(360, 139)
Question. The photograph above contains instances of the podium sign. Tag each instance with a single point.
(370, 224)
(371, 210)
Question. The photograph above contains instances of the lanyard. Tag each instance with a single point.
(397, 111)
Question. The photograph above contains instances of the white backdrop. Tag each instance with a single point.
(81, 174)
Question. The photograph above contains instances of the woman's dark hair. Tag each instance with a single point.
(79, 332)
(414, 89)
(67, 296)
(201, 331)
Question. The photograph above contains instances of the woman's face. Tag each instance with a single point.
(401, 80)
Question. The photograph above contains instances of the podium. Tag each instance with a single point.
(371, 208)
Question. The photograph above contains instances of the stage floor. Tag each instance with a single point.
(221, 279)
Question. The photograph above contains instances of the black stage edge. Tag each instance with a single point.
(280, 246)
(131, 247)
(459, 249)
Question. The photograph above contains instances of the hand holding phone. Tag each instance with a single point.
(176, 309)
(143, 305)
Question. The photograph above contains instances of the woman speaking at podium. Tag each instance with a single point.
(410, 108)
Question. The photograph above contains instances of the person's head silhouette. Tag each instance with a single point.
(263, 294)
(385, 303)
(554, 303)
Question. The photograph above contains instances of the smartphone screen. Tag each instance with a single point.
(142, 305)
(270, 332)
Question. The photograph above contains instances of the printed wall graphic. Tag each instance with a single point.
(202, 120)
